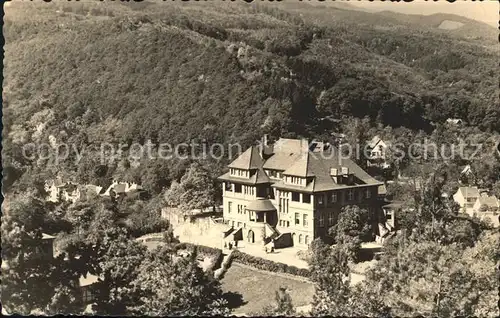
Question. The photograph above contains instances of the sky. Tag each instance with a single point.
(484, 11)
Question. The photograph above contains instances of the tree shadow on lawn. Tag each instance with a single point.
(234, 300)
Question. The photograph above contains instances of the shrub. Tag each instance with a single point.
(304, 255)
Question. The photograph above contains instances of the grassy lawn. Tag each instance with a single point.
(249, 290)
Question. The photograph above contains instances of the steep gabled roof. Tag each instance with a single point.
(466, 170)
(250, 159)
(47, 236)
(300, 167)
(285, 152)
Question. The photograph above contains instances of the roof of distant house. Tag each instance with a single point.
(93, 188)
(454, 120)
(467, 169)
(394, 205)
(87, 279)
(122, 187)
(489, 201)
(47, 237)
(469, 192)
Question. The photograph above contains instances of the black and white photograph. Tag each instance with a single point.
(250, 158)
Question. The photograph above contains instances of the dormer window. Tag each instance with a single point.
(239, 173)
(273, 174)
(295, 180)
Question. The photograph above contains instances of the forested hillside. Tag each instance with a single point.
(87, 73)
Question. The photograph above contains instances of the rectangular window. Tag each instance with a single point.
(87, 295)
(321, 220)
(350, 195)
(229, 207)
(304, 218)
(320, 199)
(330, 218)
(334, 197)
(389, 216)
(237, 188)
(245, 209)
(251, 216)
(228, 186)
(287, 223)
(368, 193)
(296, 196)
(306, 198)
(239, 224)
(297, 218)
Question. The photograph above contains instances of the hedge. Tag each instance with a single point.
(267, 265)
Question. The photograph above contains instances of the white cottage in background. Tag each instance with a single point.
(466, 198)
(58, 191)
(122, 188)
(377, 155)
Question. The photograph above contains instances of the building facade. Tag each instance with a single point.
(291, 192)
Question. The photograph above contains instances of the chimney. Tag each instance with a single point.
(304, 145)
(263, 145)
